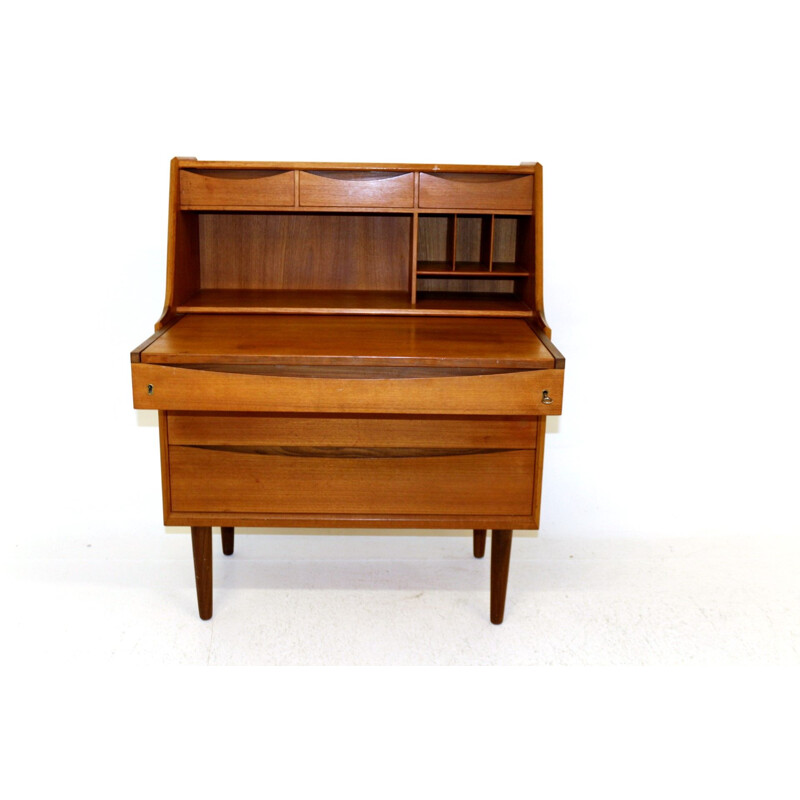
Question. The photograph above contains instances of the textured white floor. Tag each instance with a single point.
(333, 599)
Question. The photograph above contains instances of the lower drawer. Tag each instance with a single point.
(307, 480)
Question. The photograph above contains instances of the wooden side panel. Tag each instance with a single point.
(537, 301)
(537, 481)
(163, 438)
(183, 255)
(210, 480)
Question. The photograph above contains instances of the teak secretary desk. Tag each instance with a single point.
(352, 345)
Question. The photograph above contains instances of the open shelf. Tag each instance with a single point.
(474, 246)
(348, 261)
(447, 304)
(469, 303)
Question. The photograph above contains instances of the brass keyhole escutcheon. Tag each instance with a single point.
(546, 399)
(149, 388)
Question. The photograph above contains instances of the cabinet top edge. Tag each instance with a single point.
(521, 169)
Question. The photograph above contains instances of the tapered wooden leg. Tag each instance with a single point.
(478, 543)
(201, 549)
(227, 541)
(501, 556)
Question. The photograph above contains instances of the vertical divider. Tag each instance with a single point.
(487, 241)
(454, 243)
(297, 188)
(414, 253)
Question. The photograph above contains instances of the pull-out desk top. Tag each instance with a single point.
(350, 341)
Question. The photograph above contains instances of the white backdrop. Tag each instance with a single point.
(669, 138)
(669, 144)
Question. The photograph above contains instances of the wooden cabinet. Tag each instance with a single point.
(352, 345)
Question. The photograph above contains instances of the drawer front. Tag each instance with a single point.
(274, 481)
(353, 432)
(223, 188)
(521, 393)
(341, 189)
(479, 191)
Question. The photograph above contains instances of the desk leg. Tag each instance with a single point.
(227, 541)
(478, 543)
(501, 556)
(201, 549)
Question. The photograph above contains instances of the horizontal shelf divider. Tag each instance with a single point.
(253, 301)
(471, 271)
(221, 207)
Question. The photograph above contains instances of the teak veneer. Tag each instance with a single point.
(352, 345)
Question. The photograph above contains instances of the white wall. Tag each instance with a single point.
(669, 140)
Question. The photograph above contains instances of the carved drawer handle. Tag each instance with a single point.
(546, 399)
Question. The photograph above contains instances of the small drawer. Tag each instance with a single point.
(236, 188)
(354, 432)
(308, 481)
(476, 190)
(340, 189)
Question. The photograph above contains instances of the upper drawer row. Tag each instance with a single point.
(243, 188)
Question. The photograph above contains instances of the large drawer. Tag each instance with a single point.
(310, 480)
(476, 190)
(236, 188)
(206, 388)
(366, 189)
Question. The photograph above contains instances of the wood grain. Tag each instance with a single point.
(363, 252)
(211, 480)
(374, 303)
(325, 520)
(183, 258)
(501, 558)
(336, 340)
(236, 187)
(361, 431)
(521, 169)
(436, 239)
(559, 362)
(472, 304)
(461, 288)
(136, 353)
(507, 393)
(337, 188)
(479, 542)
(163, 441)
(535, 298)
(478, 191)
(203, 570)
